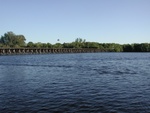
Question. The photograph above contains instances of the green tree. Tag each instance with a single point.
(30, 44)
(38, 45)
(145, 47)
(92, 45)
(68, 45)
(128, 48)
(79, 43)
(1, 45)
(57, 45)
(12, 40)
(49, 45)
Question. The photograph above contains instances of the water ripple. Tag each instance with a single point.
(37, 65)
(75, 83)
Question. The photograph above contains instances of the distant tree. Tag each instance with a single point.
(30, 44)
(137, 47)
(79, 43)
(12, 40)
(49, 45)
(1, 45)
(145, 47)
(68, 45)
(117, 48)
(101, 47)
(128, 48)
(38, 45)
(57, 45)
(92, 45)
(20, 40)
(44, 45)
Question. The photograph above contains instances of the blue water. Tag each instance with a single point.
(75, 83)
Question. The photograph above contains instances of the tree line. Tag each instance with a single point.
(11, 40)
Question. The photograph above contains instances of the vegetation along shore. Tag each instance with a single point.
(10, 40)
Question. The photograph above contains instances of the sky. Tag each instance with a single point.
(103, 21)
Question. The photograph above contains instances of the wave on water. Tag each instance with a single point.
(114, 71)
(100, 70)
(36, 65)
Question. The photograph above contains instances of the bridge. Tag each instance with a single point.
(15, 51)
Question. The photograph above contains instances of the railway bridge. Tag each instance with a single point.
(14, 51)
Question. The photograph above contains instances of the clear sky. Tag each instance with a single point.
(103, 21)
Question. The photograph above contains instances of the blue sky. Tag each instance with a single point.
(103, 21)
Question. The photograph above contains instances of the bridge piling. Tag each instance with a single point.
(11, 51)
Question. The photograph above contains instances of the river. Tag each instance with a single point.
(75, 83)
